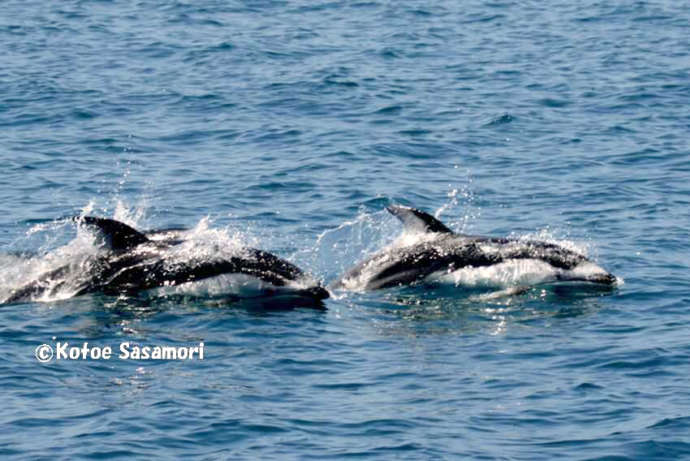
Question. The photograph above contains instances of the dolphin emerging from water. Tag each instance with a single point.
(439, 252)
(136, 261)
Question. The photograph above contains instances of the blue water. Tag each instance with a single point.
(293, 124)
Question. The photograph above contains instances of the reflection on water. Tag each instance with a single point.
(454, 310)
(101, 316)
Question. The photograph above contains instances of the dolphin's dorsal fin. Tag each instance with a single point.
(417, 221)
(118, 236)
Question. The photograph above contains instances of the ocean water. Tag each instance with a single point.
(290, 125)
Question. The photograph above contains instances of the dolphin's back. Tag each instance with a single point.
(131, 273)
(504, 248)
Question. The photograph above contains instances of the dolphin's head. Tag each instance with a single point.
(589, 272)
(317, 292)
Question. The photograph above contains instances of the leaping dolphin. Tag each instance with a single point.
(134, 261)
(439, 252)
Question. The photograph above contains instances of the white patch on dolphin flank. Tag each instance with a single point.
(225, 284)
(507, 273)
(517, 272)
(242, 285)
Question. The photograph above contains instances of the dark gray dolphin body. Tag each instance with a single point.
(442, 251)
(136, 261)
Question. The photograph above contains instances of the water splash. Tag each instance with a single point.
(337, 249)
(460, 202)
(131, 216)
(74, 257)
(64, 264)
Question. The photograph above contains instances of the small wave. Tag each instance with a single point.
(501, 120)
(681, 422)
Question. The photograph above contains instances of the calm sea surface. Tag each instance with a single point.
(292, 124)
